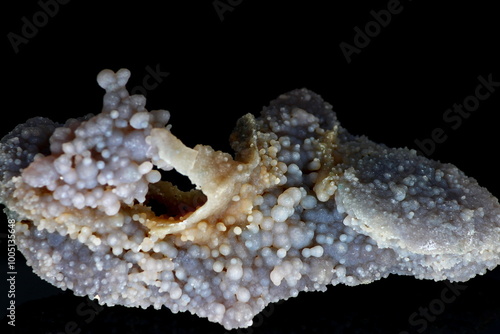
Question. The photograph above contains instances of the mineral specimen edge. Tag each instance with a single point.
(302, 205)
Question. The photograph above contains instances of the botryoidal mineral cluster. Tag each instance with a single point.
(302, 205)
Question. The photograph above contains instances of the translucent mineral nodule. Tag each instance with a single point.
(303, 205)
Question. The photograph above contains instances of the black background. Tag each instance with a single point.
(395, 91)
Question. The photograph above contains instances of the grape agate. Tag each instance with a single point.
(302, 205)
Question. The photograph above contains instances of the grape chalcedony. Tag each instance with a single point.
(302, 205)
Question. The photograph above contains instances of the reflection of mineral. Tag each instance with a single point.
(302, 205)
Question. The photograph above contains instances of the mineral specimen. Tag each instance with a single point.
(302, 205)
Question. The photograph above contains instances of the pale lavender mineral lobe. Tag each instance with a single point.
(303, 205)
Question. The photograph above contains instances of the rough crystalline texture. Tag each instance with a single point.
(303, 205)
